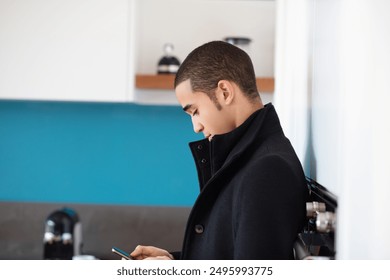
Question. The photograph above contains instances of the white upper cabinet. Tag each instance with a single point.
(74, 50)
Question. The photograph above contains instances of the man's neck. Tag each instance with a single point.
(246, 109)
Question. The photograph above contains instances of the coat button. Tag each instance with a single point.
(203, 160)
(199, 229)
(200, 147)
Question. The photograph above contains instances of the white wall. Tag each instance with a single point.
(351, 68)
(188, 24)
(348, 96)
(365, 84)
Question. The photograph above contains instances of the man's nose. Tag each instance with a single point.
(197, 126)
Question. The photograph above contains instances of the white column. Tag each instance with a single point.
(292, 71)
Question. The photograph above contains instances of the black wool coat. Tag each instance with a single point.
(253, 195)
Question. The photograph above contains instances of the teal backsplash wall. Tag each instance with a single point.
(102, 153)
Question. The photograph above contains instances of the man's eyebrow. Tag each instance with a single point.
(188, 106)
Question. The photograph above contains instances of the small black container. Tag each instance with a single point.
(168, 64)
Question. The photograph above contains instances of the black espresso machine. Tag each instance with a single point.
(63, 237)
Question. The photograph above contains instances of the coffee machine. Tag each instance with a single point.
(316, 241)
(63, 237)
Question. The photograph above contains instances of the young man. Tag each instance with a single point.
(253, 191)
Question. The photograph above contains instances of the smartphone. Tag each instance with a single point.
(122, 253)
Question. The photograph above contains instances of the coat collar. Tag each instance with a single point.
(212, 156)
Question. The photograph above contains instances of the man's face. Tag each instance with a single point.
(205, 115)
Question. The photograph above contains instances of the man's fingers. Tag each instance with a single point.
(138, 251)
(145, 251)
(158, 258)
(141, 252)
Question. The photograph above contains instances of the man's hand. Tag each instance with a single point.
(150, 253)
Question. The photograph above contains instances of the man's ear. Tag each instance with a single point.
(226, 91)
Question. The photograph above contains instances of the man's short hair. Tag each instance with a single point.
(206, 65)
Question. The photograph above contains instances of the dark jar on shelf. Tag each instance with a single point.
(168, 64)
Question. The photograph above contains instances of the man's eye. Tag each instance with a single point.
(195, 112)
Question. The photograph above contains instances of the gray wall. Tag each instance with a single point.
(103, 226)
